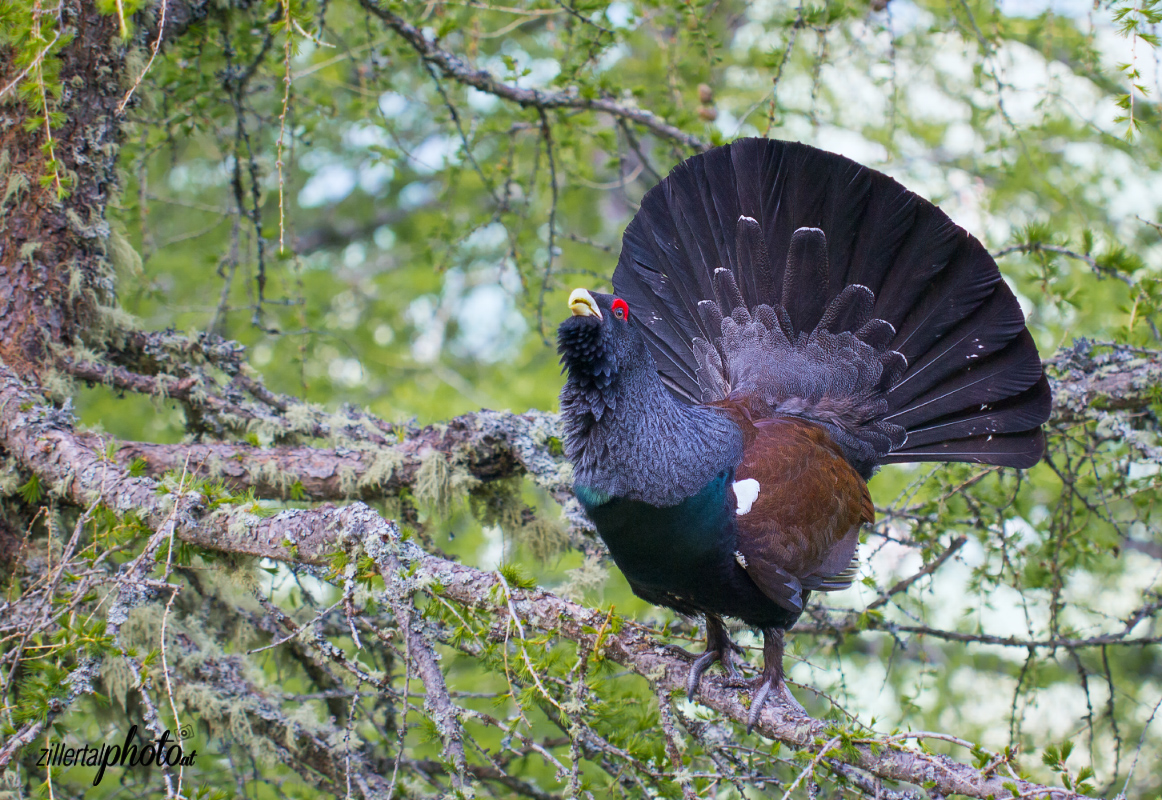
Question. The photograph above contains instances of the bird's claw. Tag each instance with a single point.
(719, 647)
(699, 666)
(703, 662)
(781, 694)
(680, 652)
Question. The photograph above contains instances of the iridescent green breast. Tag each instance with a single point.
(665, 547)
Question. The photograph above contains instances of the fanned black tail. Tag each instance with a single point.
(828, 290)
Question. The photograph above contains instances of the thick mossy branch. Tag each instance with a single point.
(1092, 378)
(441, 463)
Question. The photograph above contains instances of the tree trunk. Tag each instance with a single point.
(54, 263)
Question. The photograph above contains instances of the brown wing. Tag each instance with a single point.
(802, 529)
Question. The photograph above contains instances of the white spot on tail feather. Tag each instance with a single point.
(745, 492)
(740, 558)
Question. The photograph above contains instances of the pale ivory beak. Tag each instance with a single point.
(582, 304)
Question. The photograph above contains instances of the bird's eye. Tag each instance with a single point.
(620, 309)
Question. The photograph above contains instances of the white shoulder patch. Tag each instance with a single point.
(746, 492)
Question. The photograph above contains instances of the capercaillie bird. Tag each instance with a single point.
(784, 321)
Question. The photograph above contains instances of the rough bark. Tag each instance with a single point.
(1115, 379)
(54, 261)
(490, 445)
(55, 242)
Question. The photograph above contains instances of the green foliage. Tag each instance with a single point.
(515, 576)
(31, 490)
(35, 38)
(41, 691)
(1055, 759)
(1137, 21)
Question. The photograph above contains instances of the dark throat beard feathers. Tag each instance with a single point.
(633, 440)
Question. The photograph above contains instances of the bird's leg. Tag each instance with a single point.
(772, 678)
(719, 647)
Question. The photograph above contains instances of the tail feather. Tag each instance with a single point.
(1010, 415)
(1011, 371)
(659, 303)
(886, 318)
(1018, 450)
(692, 230)
(958, 290)
(711, 314)
(806, 266)
(930, 249)
(715, 211)
(792, 203)
(730, 296)
(970, 345)
(753, 260)
(891, 213)
(851, 310)
(878, 333)
(849, 204)
(756, 269)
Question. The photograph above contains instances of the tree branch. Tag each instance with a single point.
(489, 445)
(1121, 378)
(455, 68)
(1102, 270)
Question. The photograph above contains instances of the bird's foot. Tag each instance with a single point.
(770, 688)
(703, 662)
(719, 647)
(771, 684)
